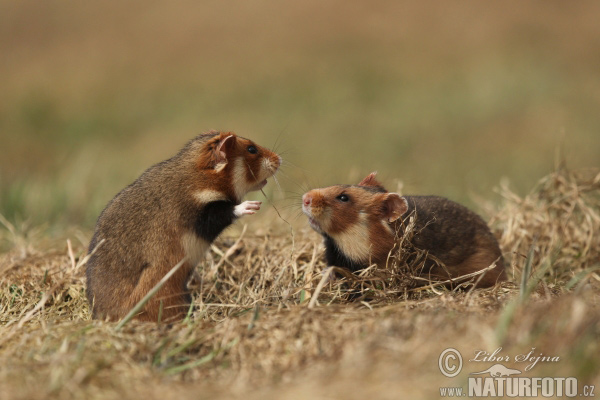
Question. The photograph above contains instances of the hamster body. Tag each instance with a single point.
(361, 225)
(174, 210)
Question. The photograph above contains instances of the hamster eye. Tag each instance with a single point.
(252, 149)
(343, 197)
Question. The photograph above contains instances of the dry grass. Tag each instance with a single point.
(560, 218)
(253, 334)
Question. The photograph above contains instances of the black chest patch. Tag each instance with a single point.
(213, 218)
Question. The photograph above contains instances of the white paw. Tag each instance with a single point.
(247, 208)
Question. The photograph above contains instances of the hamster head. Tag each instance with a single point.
(240, 165)
(359, 218)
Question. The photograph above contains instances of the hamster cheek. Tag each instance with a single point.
(241, 178)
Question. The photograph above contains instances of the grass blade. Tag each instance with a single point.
(526, 271)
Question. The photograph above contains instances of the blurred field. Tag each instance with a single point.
(444, 98)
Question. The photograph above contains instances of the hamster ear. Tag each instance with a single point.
(226, 144)
(394, 206)
(371, 181)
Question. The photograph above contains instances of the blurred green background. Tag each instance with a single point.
(448, 97)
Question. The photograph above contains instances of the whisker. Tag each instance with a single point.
(294, 181)
(288, 151)
(281, 133)
(274, 147)
(291, 206)
(278, 185)
(288, 162)
(294, 196)
(297, 216)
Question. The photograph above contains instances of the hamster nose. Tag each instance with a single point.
(306, 199)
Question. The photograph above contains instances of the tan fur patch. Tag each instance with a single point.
(354, 240)
(238, 178)
(194, 247)
(207, 195)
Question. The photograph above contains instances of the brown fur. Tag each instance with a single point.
(365, 229)
(146, 225)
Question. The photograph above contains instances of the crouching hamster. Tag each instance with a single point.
(173, 211)
(361, 225)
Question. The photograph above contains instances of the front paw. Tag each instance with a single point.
(247, 208)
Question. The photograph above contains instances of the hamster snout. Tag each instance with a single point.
(306, 199)
(313, 208)
(312, 203)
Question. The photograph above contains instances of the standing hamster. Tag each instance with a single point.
(174, 210)
(361, 225)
